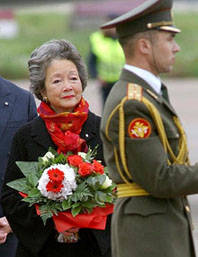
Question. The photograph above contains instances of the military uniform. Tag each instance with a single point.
(146, 153)
(162, 219)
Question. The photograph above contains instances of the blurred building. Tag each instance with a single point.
(94, 13)
(8, 24)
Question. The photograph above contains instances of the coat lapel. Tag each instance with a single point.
(40, 135)
(89, 128)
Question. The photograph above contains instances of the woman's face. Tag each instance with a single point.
(63, 86)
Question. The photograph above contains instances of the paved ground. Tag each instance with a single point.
(184, 95)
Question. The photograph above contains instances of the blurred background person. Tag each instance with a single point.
(106, 58)
(58, 77)
(17, 108)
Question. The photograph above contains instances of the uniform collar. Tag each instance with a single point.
(151, 79)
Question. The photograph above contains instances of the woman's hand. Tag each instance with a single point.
(69, 236)
(5, 229)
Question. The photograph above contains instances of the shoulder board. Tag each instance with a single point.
(152, 94)
(134, 91)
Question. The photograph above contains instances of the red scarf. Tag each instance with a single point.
(64, 128)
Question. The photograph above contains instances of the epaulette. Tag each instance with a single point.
(134, 91)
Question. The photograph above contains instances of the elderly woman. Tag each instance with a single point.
(58, 77)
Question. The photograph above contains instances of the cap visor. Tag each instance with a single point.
(170, 29)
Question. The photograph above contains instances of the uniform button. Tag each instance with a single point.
(86, 135)
(177, 135)
(187, 208)
(6, 103)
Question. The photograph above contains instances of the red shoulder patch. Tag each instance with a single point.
(139, 128)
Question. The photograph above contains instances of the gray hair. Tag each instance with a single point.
(42, 57)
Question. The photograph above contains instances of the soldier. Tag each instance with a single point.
(144, 143)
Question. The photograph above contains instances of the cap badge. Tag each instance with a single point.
(139, 128)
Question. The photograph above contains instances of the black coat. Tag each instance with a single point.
(35, 239)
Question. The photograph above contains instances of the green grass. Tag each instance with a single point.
(187, 59)
(41, 27)
(36, 29)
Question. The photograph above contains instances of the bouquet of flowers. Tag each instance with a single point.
(73, 189)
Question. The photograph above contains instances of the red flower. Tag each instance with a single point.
(74, 160)
(54, 187)
(85, 169)
(56, 175)
(98, 167)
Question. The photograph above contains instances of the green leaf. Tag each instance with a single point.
(101, 179)
(109, 199)
(100, 197)
(53, 151)
(66, 204)
(75, 210)
(34, 196)
(34, 192)
(33, 179)
(81, 193)
(88, 204)
(96, 181)
(27, 168)
(106, 170)
(91, 154)
(45, 213)
(19, 185)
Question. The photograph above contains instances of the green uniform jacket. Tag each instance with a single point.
(158, 225)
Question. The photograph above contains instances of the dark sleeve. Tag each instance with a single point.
(32, 108)
(23, 219)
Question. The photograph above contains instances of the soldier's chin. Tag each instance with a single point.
(168, 69)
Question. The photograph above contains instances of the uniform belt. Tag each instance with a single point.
(131, 189)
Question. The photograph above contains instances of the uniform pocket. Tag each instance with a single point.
(145, 206)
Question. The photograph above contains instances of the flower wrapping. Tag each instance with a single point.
(96, 219)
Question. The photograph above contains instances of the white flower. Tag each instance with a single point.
(107, 183)
(47, 156)
(68, 184)
(82, 154)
